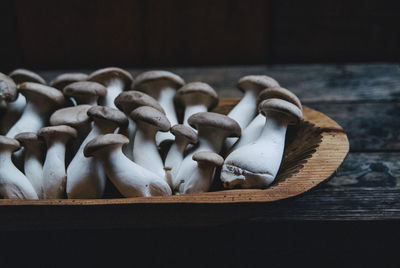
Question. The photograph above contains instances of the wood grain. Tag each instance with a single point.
(301, 170)
(312, 83)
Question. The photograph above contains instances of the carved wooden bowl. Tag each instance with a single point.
(314, 150)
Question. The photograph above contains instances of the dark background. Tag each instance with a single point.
(45, 34)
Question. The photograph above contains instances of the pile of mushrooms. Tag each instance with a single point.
(154, 135)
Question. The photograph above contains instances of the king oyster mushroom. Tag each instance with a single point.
(17, 106)
(33, 163)
(65, 79)
(128, 101)
(183, 136)
(114, 79)
(41, 101)
(86, 177)
(162, 86)
(13, 183)
(54, 174)
(85, 92)
(128, 177)
(77, 118)
(245, 111)
(253, 130)
(255, 165)
(145, 152)
(201, 179)
(195, 97)
(212, 129)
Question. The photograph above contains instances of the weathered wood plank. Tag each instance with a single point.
(312, 83)
(369, 126)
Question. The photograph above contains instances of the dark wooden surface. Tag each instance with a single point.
(350, 221)
(74, 33)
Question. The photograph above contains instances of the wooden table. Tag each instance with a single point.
(355, 214)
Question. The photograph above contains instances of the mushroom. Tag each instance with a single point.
(54, 174)
(253, 130)
(255, 165)
(213, 129)
(13, 183)
(114, 79)
(86, 177)
(77, 118)
(145, 153)
(8, 94)
(183, 136)
(128, 101)
(162, 86)
(23, 75)
(201, 179)
(41, 101)
(195, 97)
(8, 89)
(33, 160)
(246, 109)
(17, 106)
(129, 178)
(85, 92)
(65, 79)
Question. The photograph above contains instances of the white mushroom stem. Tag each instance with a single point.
(166, 100)
(145, 151)
(191, 110)
(200, 181)
(130, 133)
(33, 168)
(13, 113)
(114, 88)
(175, 156)
(54, 174)
(258, 162)
(32, 119)
(86, 177)
(128, 177)
(13, 183)
(243, 113)
(251, 132)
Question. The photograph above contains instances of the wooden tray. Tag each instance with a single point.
(314, 151)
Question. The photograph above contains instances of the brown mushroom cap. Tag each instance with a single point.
(85, 88)
(258, 82)
(216, 121)
(279, 93)
(71, 116)
(151, 116)
(9, 144)
(128, 101)
(196, 93)
(32, 90)
(293, 113)
(102, 141)
(185, 132)
(22, 75)
(108, 114)
(143, 79)
(62, 80)
(52, 131)
(28, 138)
(8, 88)
(208, 158)
(106, 75)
